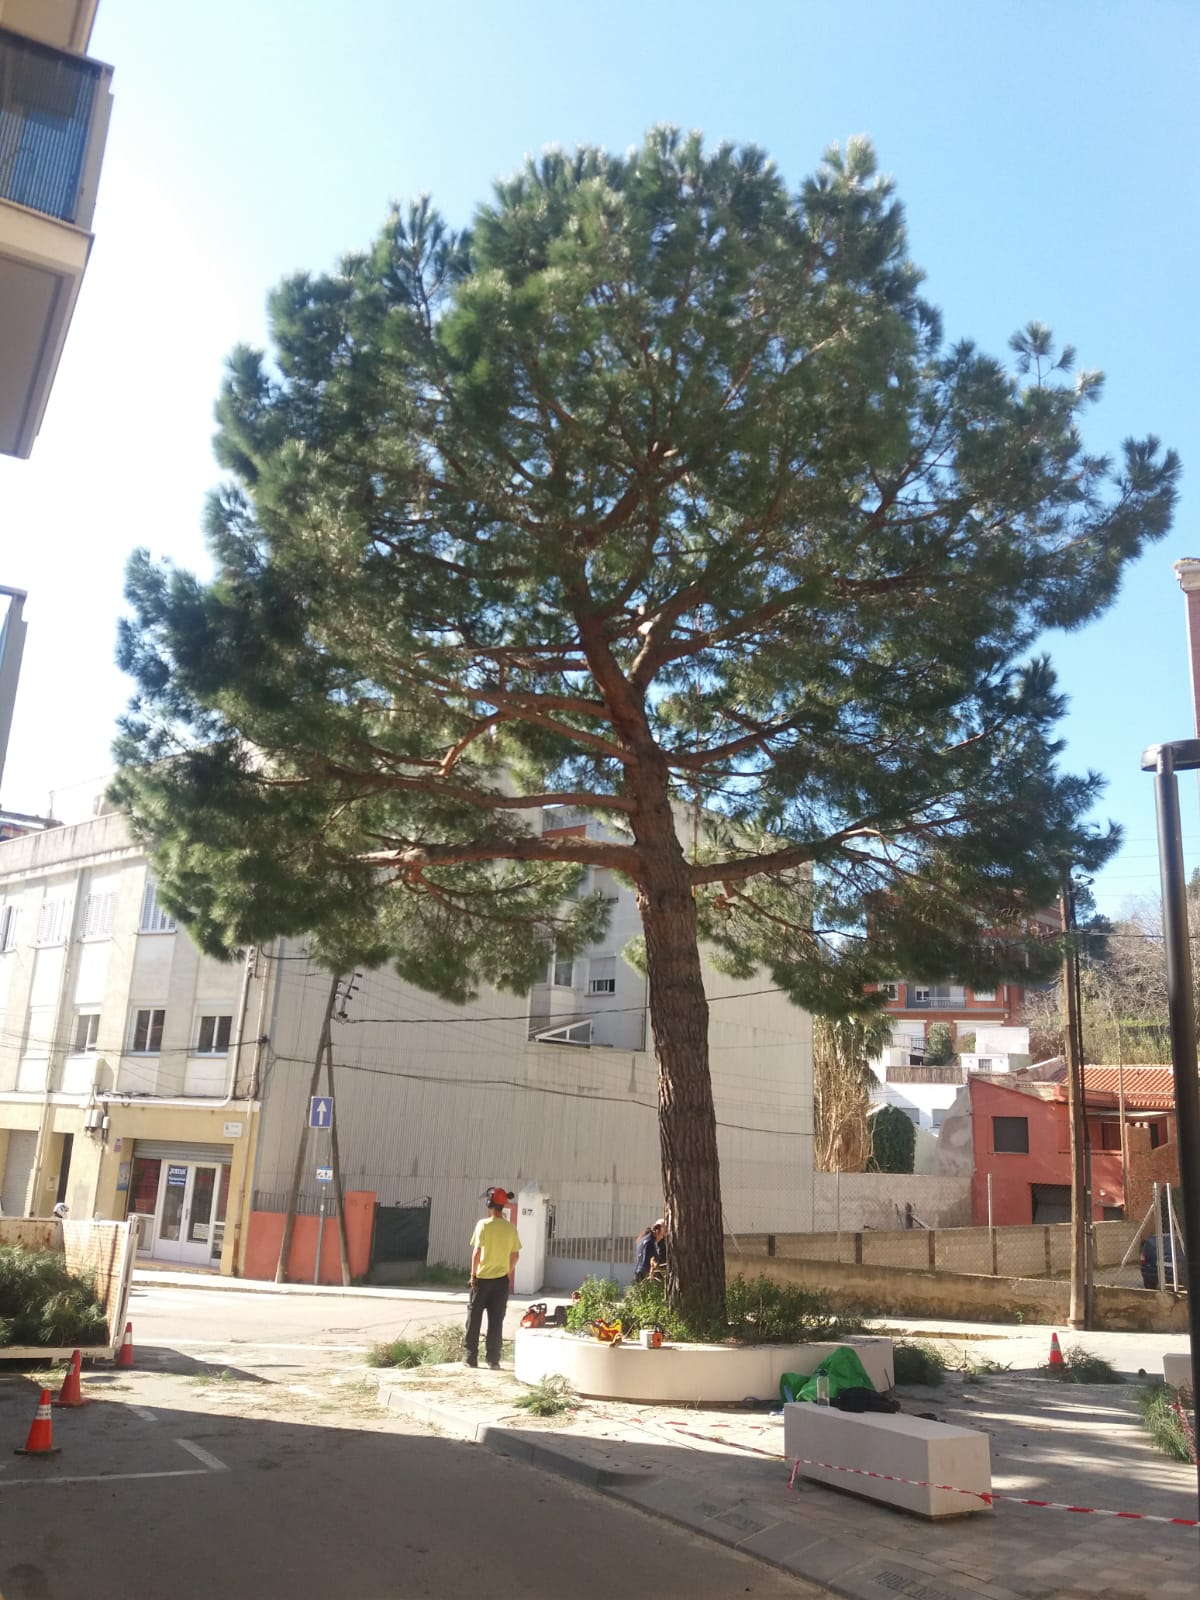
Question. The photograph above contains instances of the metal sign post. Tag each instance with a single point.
(320, 1116)
(1164, 761)
(324, 1176)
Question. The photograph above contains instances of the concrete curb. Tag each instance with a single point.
(725, 1520)
(515, 1442)
(198, 1280)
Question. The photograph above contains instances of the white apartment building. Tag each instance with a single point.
(926, 1092)
(126, 1085)
(138, 1076)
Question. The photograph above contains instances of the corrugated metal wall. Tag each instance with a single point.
(442, 1101)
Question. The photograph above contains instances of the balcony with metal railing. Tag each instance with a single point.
(54, 109)
(50, 103)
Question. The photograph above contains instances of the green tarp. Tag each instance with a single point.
(841, 1366)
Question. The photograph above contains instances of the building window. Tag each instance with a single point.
(87, 1026)
(987, 995)
(602, 975)
(148, 1032)
(154, 918)
(10, 916)
(983, 1063)
(563, 976)
(890, 990)
(52, 921)
(1110, 1136)
(569, 1033)
(214, 1036)
(1010, 1136)
(98, 913)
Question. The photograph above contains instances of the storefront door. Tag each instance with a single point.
(184, 1225)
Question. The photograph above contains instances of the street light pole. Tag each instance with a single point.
(1164, 761)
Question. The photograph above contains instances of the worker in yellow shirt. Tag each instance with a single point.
(495, 1246)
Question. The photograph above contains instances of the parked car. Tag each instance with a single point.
(1149, 1264)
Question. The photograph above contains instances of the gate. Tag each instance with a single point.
(400, 1243)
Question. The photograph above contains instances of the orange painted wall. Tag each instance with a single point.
(265, 1235)
(1048, 1160)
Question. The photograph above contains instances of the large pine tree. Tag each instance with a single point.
(658, 494)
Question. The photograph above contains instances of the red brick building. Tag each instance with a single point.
(1019, 1133)
(914, 1003)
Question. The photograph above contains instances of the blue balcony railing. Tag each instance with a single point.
(47, 102)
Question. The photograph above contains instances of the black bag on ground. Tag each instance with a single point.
(859, 1399)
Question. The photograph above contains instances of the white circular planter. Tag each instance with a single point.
(718, 1374)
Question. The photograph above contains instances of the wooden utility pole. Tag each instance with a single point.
(1080, 1199)
(339, 1198)
(289, 1221)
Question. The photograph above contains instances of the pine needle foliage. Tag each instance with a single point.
(657, 494)
(41, 1303)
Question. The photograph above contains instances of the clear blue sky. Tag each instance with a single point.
(1046, 155)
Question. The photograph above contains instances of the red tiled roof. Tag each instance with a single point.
(1146, 1088)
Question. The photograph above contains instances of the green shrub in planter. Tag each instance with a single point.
(598, 1300)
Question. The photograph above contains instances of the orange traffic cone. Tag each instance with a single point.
(1056, 1360)
(70, 1394)
(41, 1433)
(125, 1353)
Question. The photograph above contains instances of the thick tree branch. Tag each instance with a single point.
(568, 850)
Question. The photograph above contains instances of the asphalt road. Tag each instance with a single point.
(292, 1329)
(192, 1484)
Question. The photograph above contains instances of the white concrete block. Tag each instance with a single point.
(1177, 1370)
(899, 1446)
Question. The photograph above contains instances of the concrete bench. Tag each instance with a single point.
(899, 1446)
(1177, 1370)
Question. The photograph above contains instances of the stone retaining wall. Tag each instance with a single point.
(966, 1297)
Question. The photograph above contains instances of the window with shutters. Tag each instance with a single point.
(563, 975)
(213, 1038)
(87, 1028)
(98, 912)
(154, 918)
(52, 921)
(602, 975)
(1010, 1136)
(148, 1031)
(10, 916)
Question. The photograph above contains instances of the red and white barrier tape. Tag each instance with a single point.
(990, 1498)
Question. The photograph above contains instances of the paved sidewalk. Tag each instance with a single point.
(212, 1280)
(722, 1473)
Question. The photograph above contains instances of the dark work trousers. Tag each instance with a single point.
(490, 1295)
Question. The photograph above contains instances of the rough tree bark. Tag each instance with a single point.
(679, 1020)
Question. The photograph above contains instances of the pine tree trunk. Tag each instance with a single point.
(691, 1173)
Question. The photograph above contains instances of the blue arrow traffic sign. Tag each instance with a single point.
(320, 1111)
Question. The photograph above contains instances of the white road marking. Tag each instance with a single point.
(145, 1413)
(107, 1477)
(240, 1344)
(201, 1454)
